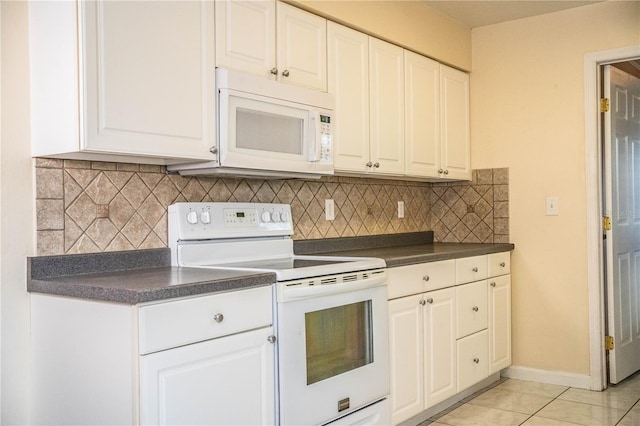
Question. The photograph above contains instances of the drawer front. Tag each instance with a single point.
(469, 269)
(473, 359)
(472, 303)
(414, 279)
(170, 324)
(499, 264)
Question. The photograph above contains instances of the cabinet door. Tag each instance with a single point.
(226, 381)
(473, 362)
(422, 115)
(246, 36)
(302, 47)
(499, 323)
(454, 116)
(406, 357)
(348, 80)
(147, 70)
(387, 107)
(439, 346)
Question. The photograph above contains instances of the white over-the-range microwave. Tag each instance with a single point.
(269, 129)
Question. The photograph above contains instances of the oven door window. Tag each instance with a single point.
(338, 340)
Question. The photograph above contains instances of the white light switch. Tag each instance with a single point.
(400, 209)
(329, 210)
(552, 206)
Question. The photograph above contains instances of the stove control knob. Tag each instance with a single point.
(275, 216)
(265, 217)
(205, 217)
(285, 217)
(192, 218)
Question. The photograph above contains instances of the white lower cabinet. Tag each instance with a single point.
(201, 360)
(446, 340)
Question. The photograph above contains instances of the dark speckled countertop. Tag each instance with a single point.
(131, 277)
(146, 275)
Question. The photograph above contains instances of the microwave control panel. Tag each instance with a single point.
(326, 138)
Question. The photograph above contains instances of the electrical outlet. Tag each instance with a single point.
(329, 210)
(552, 206)
(400, 209)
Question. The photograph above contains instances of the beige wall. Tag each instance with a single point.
(410, 24)
(527, 113)
(16, 214)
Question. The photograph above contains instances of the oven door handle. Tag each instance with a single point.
(299, 292)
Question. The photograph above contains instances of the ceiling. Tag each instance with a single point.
(486, 12)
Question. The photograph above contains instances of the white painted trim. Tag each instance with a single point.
(595, 258)
(561, 378)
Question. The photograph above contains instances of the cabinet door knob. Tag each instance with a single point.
(475, 269)
(502, 264)
(446, 172)
(493, 284)
(271, 339)
(213, 150)
(285, 73)
(429, 300)
(425, 278)
(422, 302)
(476, 360)
(218, 317)
(440, 171)
(376, 165)
(369, 164)
(475, 309)
(273, 71)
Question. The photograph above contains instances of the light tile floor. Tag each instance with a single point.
(517, 402)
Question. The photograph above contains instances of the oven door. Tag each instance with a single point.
(333, 354)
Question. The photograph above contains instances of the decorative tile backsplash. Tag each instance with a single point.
(85, 207)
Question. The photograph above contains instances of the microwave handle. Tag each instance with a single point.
(314, 130)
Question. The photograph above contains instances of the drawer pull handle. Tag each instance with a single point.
(271, 339)
(475, 269)
(218, 317)
(493, 284)
(429, 300)
(422, 302)
(475, 309)
(476, 360)
(502, 264)
(425, 278)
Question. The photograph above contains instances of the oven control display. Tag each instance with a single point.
(233, 217)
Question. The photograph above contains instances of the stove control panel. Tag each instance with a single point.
(201, 221)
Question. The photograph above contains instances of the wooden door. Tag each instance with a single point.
(406, 357)
(148, 78)
(622, 174)
(348, 81)
(302, 48)
(439, 345)
(225, 381)
(387, 107)
(422, 115)
(246, 36)
(454, 116)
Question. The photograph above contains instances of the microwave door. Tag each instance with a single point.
(263, 133)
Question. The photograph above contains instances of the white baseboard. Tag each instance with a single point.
(582, 381)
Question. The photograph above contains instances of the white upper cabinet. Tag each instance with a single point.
(437, 119)
(454, 114)
(422, 115)
(122, 80)
(274, 40)
(246, 36)
(386, 84)
(348, 66)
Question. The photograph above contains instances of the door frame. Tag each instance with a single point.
(594, 194)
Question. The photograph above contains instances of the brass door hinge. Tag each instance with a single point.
(606, 223)
(604, 105)
(608, 343)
